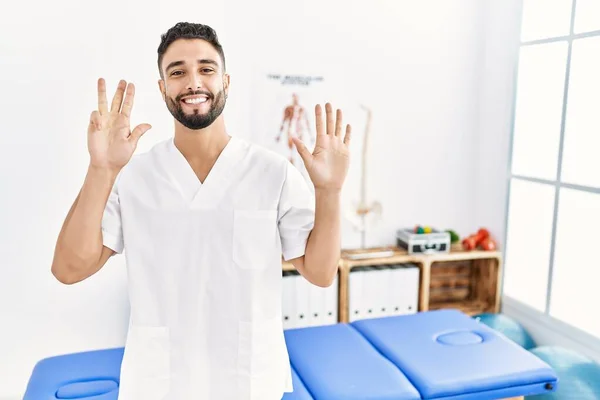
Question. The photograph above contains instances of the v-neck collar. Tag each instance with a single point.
(195, 193)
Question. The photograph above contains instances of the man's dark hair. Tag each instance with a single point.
(188, 30)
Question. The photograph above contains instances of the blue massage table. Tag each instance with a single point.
(443, 355)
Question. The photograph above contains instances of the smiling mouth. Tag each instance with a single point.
(194, 100)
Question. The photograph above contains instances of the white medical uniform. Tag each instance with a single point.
(204, 271)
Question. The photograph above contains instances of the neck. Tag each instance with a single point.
(201, 144)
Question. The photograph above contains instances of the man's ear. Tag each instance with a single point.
(226, 81)
(161, 87)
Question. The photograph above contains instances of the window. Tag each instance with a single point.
(553, 221)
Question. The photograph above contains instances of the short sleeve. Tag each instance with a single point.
(112, 231)
(296, 213)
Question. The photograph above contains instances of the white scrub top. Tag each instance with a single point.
(204, 271)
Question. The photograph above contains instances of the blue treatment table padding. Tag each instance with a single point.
(91, 375)
(430, 355)
(447, 354)
(337, 363)
(300, 392)
(94, 375)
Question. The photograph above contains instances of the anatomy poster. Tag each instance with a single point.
(285, 107)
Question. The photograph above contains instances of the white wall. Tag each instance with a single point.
(496, 98)
(417, 64)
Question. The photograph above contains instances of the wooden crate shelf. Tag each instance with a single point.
(468, 307)
(465, 280)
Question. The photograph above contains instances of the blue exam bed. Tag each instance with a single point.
(441, 354)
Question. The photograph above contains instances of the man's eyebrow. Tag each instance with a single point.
(208, 61)
(201, 61)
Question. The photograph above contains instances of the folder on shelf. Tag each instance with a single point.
(330, 311)
(306, 304)
(301, 301)
(404, 288)
(316, 300)
(372, 293)
(288, 308)
(382, 292)
(355, 293)
(411, 293)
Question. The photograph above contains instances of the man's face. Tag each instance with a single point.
(194, 85)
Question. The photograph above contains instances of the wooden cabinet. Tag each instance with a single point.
(465, 280)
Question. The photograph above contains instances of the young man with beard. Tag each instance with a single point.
(203, 220)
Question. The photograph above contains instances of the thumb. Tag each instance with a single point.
(139, 130)
(302, 150)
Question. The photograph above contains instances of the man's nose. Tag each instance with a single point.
(195, 82)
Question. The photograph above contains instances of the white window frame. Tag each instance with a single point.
(563, 332)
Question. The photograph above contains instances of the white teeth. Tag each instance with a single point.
(195, 101)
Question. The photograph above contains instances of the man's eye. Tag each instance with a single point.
(176, 72)
(207, 70)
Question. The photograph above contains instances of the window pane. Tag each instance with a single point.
(587, 16)
(581, 164)
(543, 19)
(576, 272)
(529, 233)
(538, 112)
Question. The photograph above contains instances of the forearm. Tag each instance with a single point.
(323, 248)
(80, 240)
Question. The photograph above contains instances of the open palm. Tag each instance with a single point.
(328, 164)
(111, 143)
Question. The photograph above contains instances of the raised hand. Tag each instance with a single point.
(111, 143)
(328, 164)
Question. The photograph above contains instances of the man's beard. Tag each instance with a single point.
(197, 121)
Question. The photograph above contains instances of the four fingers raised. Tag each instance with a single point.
(333, 127)
(120, 109)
